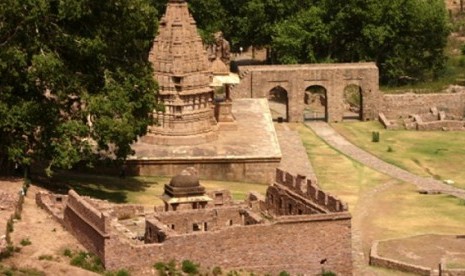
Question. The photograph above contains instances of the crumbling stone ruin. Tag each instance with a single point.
(433, 120)
(443, 111)
(294, 228)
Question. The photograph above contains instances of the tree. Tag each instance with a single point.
(75, 79)
(405, 38)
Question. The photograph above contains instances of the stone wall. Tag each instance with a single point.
(300, 196)
(258, 81)
(243, 170)
(86, 223)
(203, 220)
(377, 260)
(403, 105)
(235, 237)
(52, 203)
(296, 245)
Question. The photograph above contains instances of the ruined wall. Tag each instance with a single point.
(201, 220)
(403, 105)
(258, 81)
(296, 195)
(296, 244)
(52, 203)
(86, 223)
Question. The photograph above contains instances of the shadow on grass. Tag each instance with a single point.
(113, 189)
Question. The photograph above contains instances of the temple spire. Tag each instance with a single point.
(182, 70)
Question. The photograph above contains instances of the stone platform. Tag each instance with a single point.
(249, 154)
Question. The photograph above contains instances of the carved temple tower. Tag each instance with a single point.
(181, 68)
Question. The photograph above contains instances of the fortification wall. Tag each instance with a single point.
(258, 81)
(87, 224)
(403, 105)
(296, 244)
(310, 199)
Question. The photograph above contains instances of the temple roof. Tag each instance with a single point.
(178, 56)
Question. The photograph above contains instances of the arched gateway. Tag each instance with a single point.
(343, 91)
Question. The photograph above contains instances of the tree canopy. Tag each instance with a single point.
(405, 38)
(74, 79)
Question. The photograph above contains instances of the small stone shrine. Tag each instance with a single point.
(184, 192)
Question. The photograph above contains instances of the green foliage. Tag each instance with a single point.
(46, 257)
(87, 261)
(75, 79)
(189, 267)
(328, 273)
(11, 271)
(25, 242)
(121, 272)
(217, 271)
(68, 253)
(167, 269)
(284, 273)
(390, 149)
(9, 226)
(381, 31)
(375, 136)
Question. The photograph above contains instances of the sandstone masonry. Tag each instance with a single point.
(296, 228)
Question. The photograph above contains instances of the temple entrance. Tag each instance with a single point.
(316, 104)
(279, 104)
(353, 102)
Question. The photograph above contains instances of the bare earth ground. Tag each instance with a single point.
(423, 250)
(48, 238)
(9, 188)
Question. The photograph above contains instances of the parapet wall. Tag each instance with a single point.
(88, 224)
(295, 245)
(403, 105)
(305, 188)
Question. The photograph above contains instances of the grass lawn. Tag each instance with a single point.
(138, 190)
(435, 154)
(395, 211)
(381, 207)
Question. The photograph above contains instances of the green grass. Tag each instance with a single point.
(436, 154)
(137, 190)
(397, 210)
(336, 173)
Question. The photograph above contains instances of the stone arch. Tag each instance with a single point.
(353, 102)
(316, 103)
(278, 100)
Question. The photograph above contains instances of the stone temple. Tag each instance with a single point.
(223, 140)
(181, 68)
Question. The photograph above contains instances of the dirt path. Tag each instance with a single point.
(48, 238)
(363, 234)
(337, 141)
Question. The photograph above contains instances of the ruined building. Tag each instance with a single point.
(296, 227)
(182, 70)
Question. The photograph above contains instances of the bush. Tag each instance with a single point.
(328, 273)
(25, 242)
(68, 253)
(189, 267)
(121, 272)
(168, 269)
(284, 273)
(87, 261)
(46, 257)
(9, 226)
(375, 136)
(390, 149)
(217, 271)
